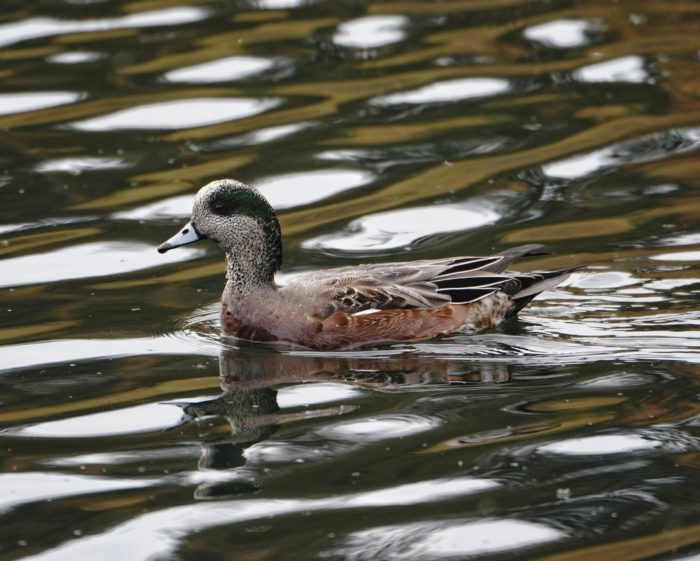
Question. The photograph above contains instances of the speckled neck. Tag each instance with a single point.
(244, 273)
(253, 254)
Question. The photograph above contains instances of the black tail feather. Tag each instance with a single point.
(543, 280)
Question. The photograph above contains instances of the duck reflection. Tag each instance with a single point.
(257, 367)
(250, 378)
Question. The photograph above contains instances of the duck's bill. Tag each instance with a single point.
(188, 234)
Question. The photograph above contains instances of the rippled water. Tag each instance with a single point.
(380, 130)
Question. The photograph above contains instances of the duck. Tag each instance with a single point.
(348, 307)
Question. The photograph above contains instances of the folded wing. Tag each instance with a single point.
(426, 284)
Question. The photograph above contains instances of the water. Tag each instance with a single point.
(130, 429)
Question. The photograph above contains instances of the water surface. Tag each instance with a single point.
(379, 130)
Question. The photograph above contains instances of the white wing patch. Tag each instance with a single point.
(366, 312)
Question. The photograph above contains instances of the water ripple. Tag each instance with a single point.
(131, 420)
(371, 32)
(96, 259)
(175, 115)
(34, 28)
(399, 228)
(221, 70)
(79, 164)
(22, 488)
(33, 101)
(29, 355)
(626, 69)
(448, 91)
(378, 428)
(433, 540)
(381, 131)
(564, 33)
(666, 440)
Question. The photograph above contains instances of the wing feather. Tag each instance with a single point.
(427, 284)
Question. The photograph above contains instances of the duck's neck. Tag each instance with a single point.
(253, 250)
(249, 273)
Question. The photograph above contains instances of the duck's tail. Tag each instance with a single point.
(533, 284)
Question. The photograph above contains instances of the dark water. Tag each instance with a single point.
(130, 430)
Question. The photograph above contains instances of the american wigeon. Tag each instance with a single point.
(348, 306)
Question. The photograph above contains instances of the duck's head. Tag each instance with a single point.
(239, 219)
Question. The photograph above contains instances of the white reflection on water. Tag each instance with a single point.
(130, 420)
(643, 149)
(33, 28)
(371, 32)
(297, 189)
(252, 138)
(74, 165)
(625, 69)
(562, 33)
(223, 69)
(180, 114)
(167, 453)
(603, 444)
(437, 540)
(371, 429)
(678, 256)
(26, 487)
(681, 239)
(75, 57)
(667, 285)
(44, 223)
(174, 207)
(85, 261)
(604, 281)
(451, 90)
(277, 4)
(158, 534)
(283, 191)
(33, 101)
(314, 394)
(398, 228)
(581, 165)
(269, 134)
(27, 355)
(266, 453)
(617, 380)
(422, 491)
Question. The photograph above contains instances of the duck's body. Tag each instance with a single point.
(349, 306)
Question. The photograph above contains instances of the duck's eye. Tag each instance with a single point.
(221, 207)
